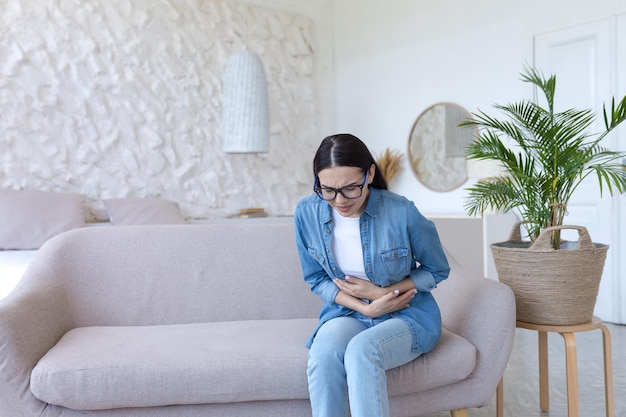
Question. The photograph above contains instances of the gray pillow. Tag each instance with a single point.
(28, 218)
(136, 211)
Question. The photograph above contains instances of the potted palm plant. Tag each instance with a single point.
(544, 156)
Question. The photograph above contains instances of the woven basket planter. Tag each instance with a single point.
(553, 287)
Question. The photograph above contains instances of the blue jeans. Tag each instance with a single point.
(348, 360)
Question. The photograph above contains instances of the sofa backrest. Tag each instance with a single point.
(168, 274)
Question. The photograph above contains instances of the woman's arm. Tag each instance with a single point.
(315, 275)
(364, 289)
(428, 251)
(393, 299)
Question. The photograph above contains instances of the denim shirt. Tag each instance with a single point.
(397, 242)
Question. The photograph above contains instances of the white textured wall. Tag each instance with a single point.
(118, 98)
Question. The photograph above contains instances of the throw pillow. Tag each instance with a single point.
(28, 217)
(137, 211)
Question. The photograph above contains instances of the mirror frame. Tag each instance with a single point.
(444, 143)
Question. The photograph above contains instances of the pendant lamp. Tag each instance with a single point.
(245, 117)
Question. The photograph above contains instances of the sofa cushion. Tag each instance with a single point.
(29, 217)
(93, 368)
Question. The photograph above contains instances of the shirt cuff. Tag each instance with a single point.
(423, 280)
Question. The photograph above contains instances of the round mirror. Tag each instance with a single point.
(437, 146)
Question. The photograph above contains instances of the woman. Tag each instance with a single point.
(373, 259)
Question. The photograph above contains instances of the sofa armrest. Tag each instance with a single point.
(32, 319)
(481, 310)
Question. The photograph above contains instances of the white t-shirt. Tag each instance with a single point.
(346, 245)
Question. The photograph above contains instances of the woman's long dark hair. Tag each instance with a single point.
(345, 149)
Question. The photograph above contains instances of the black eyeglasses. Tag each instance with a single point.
(349, 191)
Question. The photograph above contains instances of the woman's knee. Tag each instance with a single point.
(384, 347)
(323, 354)
(332, 339)
(360, 352)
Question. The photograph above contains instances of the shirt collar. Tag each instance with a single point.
(372, 207)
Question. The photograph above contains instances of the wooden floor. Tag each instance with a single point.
(521, 378)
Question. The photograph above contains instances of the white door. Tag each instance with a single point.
(620, 207)
(584, 59)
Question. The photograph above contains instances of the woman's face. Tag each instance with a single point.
(351, 177)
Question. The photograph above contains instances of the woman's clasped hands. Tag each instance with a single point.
(383, 300)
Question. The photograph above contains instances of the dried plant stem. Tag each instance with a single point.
(390, 163)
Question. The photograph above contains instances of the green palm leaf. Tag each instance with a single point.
(545, 155)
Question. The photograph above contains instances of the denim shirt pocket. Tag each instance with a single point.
(396, 261)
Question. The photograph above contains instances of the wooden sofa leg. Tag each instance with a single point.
(462, 412)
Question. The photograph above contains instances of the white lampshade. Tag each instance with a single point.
(245, 111)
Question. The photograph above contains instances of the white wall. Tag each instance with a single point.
(394, 58)
(373, 67)
(116, 98)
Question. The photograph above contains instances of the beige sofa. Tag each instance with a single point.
(211, 320)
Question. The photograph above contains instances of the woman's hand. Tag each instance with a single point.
(383, 300)
(389, 303)
(360, 288)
